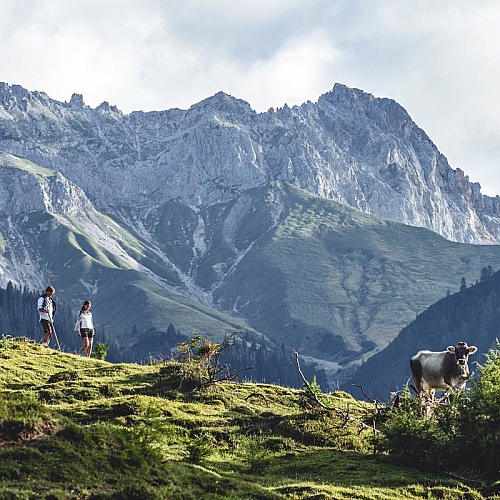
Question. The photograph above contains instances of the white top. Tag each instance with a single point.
(45, 302)
(84, 321)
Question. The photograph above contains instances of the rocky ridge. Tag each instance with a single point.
(348, 146)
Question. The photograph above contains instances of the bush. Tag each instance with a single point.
(183, 377)
(462, 435)
(478, 421)
(254, 453)
(200, 447)
(411, 439)
(100, 351)
(196, 366)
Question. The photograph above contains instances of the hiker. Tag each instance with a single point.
(84, 327)
(47, 309)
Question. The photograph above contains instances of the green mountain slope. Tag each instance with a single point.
(123, 297)
(326, 279)
(75, 428)
(54, 235)
(307, 273)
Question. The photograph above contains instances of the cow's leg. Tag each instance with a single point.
(432, 394)
(426, 402)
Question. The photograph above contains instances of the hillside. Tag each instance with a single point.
(74, 428)
(333, 282)
(471, 315)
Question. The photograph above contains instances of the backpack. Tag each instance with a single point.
(77, 321)
(46, 303)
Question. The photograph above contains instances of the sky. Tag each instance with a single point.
(439, 60)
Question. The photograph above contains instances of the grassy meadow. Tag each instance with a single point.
(78, 428)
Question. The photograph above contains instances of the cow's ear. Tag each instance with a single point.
(451, 349)
(472, 349)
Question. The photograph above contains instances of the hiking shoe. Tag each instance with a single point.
(45, 344)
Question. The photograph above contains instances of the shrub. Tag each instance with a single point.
(411, 439)
(321, 428)
(463, 434)
(199, 448)
(6, 341)
(196, 367)
(307, 399)
(174, 376)
(100, 351)
(254, 453)
(478, 419)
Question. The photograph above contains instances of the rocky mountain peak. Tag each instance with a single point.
(15, 91)
(16, 97)
(222, 104)
(343, 93)
(76, 101)
(386, 113)
(106, 109)
(350, 147)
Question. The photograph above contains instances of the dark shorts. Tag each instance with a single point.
(46, 325)
(87, 332)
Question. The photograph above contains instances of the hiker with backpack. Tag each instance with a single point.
(84, 327)
(47, 309)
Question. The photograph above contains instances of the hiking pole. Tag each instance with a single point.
(55, 335)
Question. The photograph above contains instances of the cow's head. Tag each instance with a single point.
(461, 352)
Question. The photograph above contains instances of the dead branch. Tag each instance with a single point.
(341, 413)
(429, 404)
(363, 392)
(465, 474)
(459, 386)
(257, 394)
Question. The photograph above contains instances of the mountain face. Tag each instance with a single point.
(218, 218)
(300, 270)
(349, 147)
(51, 233)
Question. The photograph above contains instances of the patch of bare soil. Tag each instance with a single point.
(23, 436)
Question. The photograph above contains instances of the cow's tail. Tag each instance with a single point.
(416, 373)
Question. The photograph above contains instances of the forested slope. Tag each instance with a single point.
(471, 315)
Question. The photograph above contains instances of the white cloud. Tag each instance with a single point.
(437, 59)
(294, 74)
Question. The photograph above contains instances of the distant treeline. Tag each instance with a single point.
(472, 316)
(19, 317)
(257, 359)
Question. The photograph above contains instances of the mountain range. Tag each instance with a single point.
(327, 227)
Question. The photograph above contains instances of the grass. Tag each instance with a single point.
(74, 428)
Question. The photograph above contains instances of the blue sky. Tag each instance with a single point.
(440, 60)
